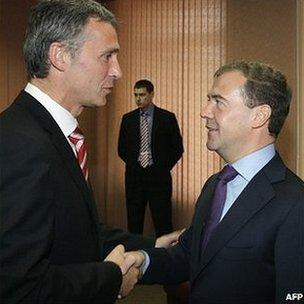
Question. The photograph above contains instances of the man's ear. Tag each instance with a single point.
(58, 56)
(261, 115)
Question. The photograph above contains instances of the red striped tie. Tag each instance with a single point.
(77, 139)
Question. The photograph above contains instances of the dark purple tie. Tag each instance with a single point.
(216, 207)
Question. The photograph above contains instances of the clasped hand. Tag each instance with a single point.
(130, 265)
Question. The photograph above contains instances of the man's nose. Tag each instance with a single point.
(207, 111)
(115, 70)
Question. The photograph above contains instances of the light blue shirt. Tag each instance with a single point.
(247, 167)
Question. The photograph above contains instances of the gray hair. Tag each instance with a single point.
(58, 21)
(264, 85)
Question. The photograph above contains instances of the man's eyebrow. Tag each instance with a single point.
(216, 96)
(110, 51)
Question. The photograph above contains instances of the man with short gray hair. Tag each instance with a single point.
(53, 250)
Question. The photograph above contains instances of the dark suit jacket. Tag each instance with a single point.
(256, 254)
(166, 141)
(51, 242)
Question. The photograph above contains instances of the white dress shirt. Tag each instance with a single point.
(65, 120)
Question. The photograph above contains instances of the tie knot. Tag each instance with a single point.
(227, 174)
(144, 114)
(76, 135)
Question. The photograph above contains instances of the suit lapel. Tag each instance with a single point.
(58, 139)
(253, 198)
(135, 119)
(203, 204)
(155, 126)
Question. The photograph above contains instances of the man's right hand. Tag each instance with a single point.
(138, 256)
(128, 268)
(128, 282)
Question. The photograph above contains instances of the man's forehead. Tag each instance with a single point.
(140, 90)
(96, 27)
(227, 82)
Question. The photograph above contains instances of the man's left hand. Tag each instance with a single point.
(168, 240)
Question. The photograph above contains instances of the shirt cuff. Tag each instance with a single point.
(146, 263)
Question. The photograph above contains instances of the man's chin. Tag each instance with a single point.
(102, 101)
(210, 146)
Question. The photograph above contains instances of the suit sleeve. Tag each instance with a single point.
(122, 145)
(289, 254)
(172, 265)
(176, 143)
(27, 232)
(111, 237)
(169, 266)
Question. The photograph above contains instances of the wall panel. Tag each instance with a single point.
(256, 31)
(13, 17)
(177, 45)
(300, 88)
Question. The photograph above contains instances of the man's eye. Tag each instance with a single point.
(107, 57)
(219, 102)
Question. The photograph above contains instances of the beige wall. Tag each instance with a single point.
(254, 31)
(178, 45)
(300, 88)
(13, 14)
(266, 31)
(180, 60)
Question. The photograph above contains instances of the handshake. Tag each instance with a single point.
(131, 263)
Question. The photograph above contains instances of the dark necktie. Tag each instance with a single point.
(219, 197)
(77, 139)
(145, 156)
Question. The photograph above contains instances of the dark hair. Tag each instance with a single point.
(58, 21)
(264, 85)
(144, 83)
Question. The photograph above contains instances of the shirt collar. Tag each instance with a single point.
(251, 164)
(65, 120)
(148, 110)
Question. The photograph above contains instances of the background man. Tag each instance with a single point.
(52, 246)
(245, 244)
(150, 144)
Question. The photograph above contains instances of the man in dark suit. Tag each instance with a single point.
(53, 250)
(246, 241)
(150, 144)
